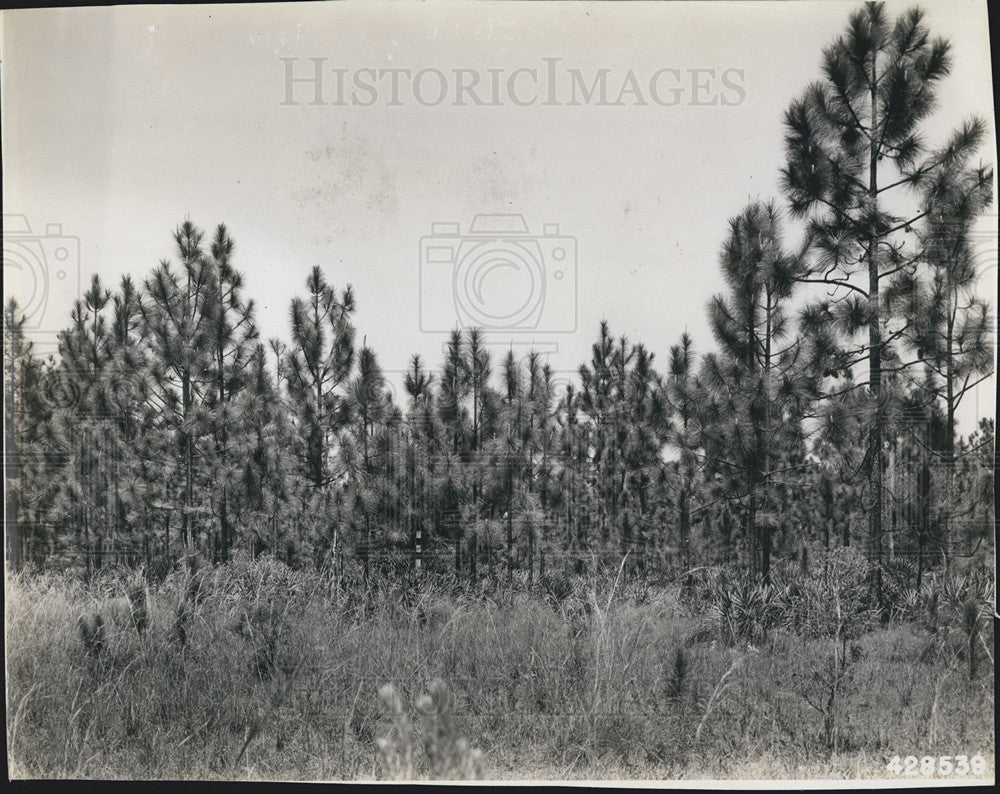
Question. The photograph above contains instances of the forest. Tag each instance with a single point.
(798, 478)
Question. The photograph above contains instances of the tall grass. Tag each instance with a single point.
(252, 670)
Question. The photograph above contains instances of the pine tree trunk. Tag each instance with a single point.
(765, 552)
(685, 526)
(489, 559)
(826, 523)
(473, 569)
(923, 505)
(531, 555)
(875, 357)
(763, 437)
(920, 556)
(510, 525)
(186, 529)
(973, 636)
(949, 448)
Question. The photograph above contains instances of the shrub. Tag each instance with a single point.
(266, 598)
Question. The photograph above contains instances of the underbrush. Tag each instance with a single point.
(252, 670)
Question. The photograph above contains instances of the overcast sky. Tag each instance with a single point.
(120, 122)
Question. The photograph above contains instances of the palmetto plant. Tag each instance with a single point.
(745, 608)
(966, 600)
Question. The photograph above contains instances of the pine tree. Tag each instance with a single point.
(754, 378)
(83, 431)
(176, 309)
(423, 438)
(949, 327)
(683, 396)
(597, 402)
(317, 365)
(477, 368)
(126, 385)
(268, 468)
(852, 143)
(231, 341)
(623, 397)
(571, 463)
(510, 448)
(369, 455)
(28, 466)
(453, 391)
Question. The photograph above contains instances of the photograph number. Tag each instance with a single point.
(941, 766)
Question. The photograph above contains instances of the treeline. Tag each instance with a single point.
(824, 417)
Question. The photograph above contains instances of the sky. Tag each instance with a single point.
(119, 123)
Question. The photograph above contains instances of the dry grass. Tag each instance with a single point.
(254, 671)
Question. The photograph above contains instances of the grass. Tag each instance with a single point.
(254, 671)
